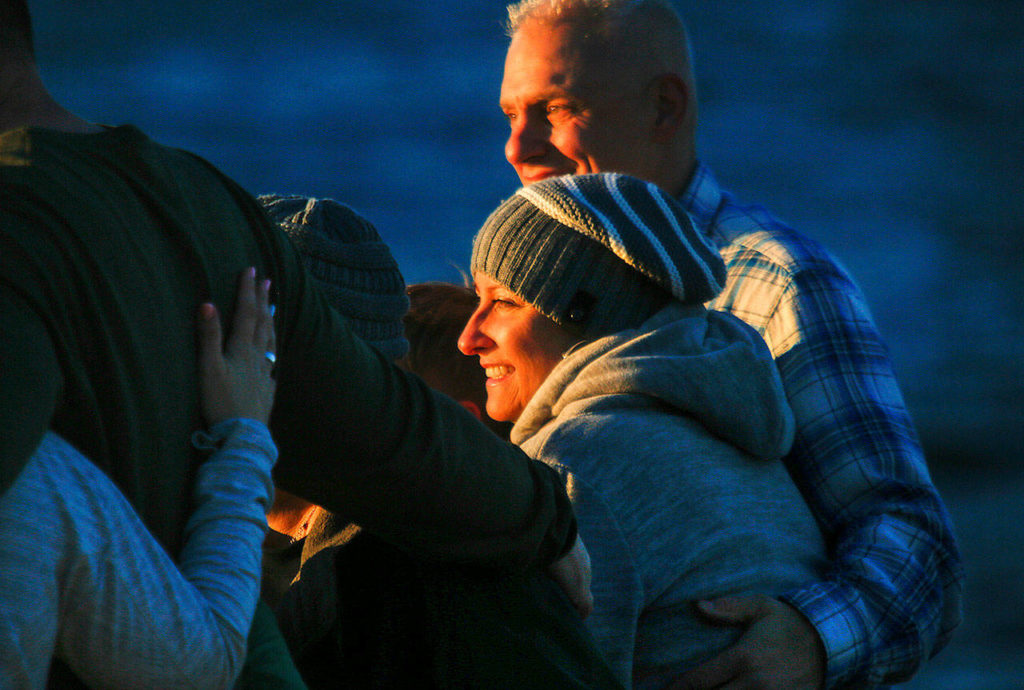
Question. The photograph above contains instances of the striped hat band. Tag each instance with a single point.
(619, 246)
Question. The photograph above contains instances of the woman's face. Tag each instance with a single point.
(517, 345)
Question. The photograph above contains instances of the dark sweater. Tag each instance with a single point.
(109, 242)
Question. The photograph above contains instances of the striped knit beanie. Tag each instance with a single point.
(599, 252)
(351, 265)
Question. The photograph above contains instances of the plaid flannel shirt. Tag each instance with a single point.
(893, 594)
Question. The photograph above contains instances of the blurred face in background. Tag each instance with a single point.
(517, 345)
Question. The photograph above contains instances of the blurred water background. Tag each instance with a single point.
(891, 131)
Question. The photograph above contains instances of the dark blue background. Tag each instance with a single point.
(893, 132)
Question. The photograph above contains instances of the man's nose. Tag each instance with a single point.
(527, 139)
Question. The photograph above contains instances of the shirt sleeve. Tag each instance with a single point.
(617, 584)
(376, 445)
(893, 595)
(103, 588)
(30, 383)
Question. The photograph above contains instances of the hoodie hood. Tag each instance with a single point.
(703, 364)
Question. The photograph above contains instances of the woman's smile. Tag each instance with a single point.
(517, 345)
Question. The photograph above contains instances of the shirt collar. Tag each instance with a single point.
(702, 197)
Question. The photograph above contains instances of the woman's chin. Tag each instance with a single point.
(501, 413)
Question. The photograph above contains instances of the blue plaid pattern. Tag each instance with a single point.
(893, 595)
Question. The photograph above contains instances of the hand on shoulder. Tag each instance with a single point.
(236, 377)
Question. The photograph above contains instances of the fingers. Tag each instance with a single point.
(585, 600)
(713, 673)
(253, 323)
(728, 665)
(572, 573)
(236, 379)
(779, 649)
(585, 604)
(735, 610)
(243, 326)
(265, 325)
(210, 337)
(212, 369)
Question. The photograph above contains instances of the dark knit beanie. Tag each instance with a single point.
(352, 266)
(600, 252)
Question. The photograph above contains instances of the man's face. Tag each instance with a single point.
(570, 113)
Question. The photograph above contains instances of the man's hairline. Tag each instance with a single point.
(611, 38)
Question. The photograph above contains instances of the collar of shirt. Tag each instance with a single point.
(702, 198)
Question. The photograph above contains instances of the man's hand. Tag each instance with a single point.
(780, 648)
(572, 573)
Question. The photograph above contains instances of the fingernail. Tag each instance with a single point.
(251, 272)
(207, 311)
(272, 308)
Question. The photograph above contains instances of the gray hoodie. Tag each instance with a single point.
(669, 439)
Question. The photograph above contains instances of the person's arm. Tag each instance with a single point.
(376, 445)
(617, 587)
(188, 623)
(893, 594)
(30, 382)
(107, 598)
(572, 573)
(237, 389)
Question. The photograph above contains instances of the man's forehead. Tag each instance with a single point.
(552, 64)
(538, 85)
(566, 40)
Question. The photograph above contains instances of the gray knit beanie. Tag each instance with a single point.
(599, 252)
(352, 266)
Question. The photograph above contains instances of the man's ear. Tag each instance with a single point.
(672, 103)
(473, 408)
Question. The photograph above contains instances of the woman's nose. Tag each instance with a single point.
(472, 340)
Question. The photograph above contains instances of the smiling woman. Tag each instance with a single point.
(518, 347)
(659, 415)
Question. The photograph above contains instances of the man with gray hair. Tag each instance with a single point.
(607, 85)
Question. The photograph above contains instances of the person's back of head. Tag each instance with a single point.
(351, 264)
(15, 31)
(24, 99)
(437, 314)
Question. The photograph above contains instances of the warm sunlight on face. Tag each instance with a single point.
(568, 115)
(290, 514)
(517, 345)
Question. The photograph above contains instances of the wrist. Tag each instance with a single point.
(234, 431)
